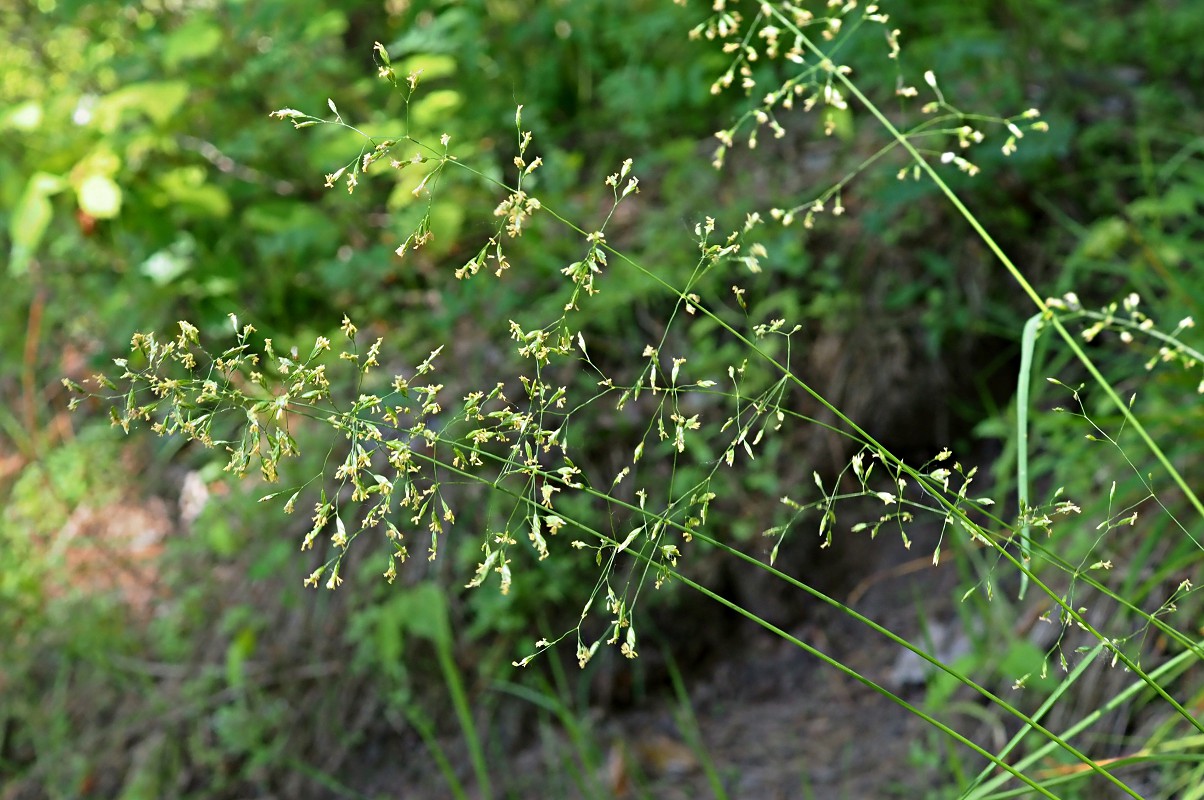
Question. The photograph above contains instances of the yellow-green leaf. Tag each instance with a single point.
(195, 39)
(159, 100)
(30, 218)
(25, 116)
(100, 197)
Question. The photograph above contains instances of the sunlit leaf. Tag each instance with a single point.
(30, 218)
(99, 196)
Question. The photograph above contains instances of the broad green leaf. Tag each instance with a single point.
(431, 65)
(186, 187)
(100, 197)
(191, 41)
(431, 109)
(279, 216)
(325, 26)
(158, 100)
(25, 116)
(841, 120)
(240, 649)
(1104, 239)
(30, 218)
(165, 266)
(426, 613)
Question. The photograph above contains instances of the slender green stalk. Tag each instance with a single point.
(1049, 703)
(994, 698)
(427, 734)
(894, 698)
(1071, 342)
(693, 733)
(459, 697)
(1169, 670)
(587, 766)
(1028, 341)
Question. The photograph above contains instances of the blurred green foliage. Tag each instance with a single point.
(141, 182)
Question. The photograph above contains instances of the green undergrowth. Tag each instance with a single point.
(546, 392)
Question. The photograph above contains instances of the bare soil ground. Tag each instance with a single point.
(768, 719)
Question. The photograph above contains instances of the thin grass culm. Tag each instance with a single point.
(487, 462)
